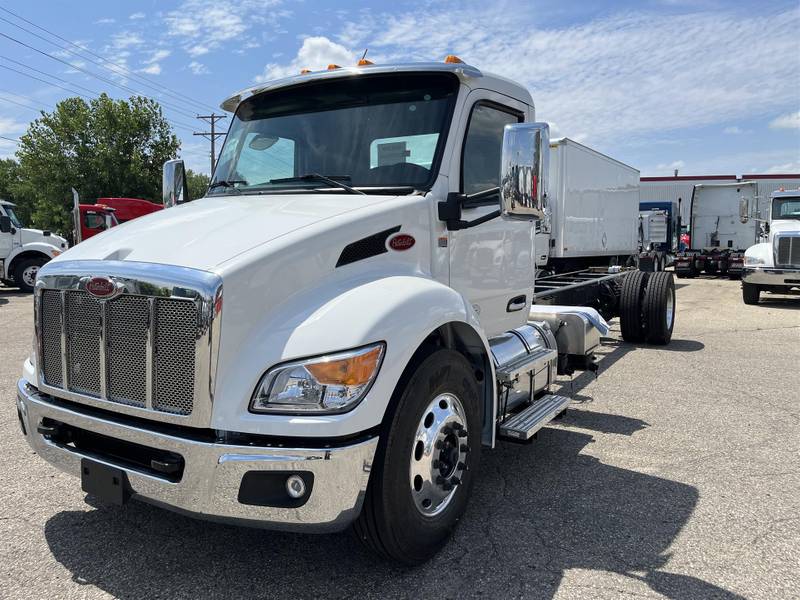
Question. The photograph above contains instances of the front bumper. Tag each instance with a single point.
(213, 472)
(771, 276)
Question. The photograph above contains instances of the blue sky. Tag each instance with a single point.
(704, 86)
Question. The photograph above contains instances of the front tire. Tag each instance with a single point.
(751, 294)
(25, 273)
(426, 463)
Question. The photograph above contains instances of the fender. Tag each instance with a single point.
(761, 251)
(400, 310)
(46, 250)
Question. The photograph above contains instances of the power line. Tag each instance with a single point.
(174, 123)
(211, 135)
(50, 75)
(124, 69)
(28, 98)
(4, 99)
(2, 137)
(92, 74)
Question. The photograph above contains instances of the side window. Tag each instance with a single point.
(483, 144)
(94, 221)
(264, 157)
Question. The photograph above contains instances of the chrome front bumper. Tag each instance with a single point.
(213, 472)
(771, 276)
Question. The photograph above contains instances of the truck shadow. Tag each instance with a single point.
(537, 511)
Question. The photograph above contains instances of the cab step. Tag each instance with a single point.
(524, 425)
(537, 360)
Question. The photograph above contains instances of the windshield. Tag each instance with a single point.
(786, 208)
(383, 132)
(14, 218)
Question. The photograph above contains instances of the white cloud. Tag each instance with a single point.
(205, 25)
(315, 53)
(788, 121)
(158, 56)
(789, 167)
(10, 127)
(733, 130)
(126, 39)
(136, 16)
(198, 68)
(151, 69)
(615, 79)
(105, 21)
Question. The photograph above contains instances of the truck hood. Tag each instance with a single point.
(784, 226)
(206, 232)
(31, 236)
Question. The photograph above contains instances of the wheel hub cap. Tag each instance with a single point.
(438, 454)
(29, 275)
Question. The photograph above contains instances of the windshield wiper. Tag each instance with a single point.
(329, 179)
(226, 183)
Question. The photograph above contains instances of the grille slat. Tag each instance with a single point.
(176, 327)
(141, 356)
(51, 337)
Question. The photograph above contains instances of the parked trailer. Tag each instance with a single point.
(318, 343)
(658, 224)
(718, 236)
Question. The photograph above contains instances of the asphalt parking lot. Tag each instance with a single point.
(675, 474)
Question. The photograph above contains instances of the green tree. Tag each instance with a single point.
(197, 184)
(103, 148)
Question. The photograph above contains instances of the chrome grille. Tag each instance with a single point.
(51, 337)
(134, 350)
(176, 323)
(788, 250)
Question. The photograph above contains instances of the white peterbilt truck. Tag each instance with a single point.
(23, 250)
(773, 265)
(330, 336)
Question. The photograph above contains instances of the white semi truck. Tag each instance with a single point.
(331, 336)
(23, 251)
(773, 265)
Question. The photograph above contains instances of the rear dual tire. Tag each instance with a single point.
(647, 307)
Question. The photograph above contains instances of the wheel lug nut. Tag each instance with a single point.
(462, 433)
(462, 466)
(455, 481)
(456, 426)
(464, 448)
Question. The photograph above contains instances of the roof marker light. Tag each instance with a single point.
(364, 62)
(332, 67)
(452, 59)
(304, 71)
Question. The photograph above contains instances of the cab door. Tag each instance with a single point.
(491, 264)
(6, 239)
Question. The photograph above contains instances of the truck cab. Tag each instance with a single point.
(127, 209)
(24, 250)
(337, 330)
(773, 265)
(96, 218)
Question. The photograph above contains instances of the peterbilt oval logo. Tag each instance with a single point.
(402, 241)
(100, 287)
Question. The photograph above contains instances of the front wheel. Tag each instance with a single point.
(25, 273)
(751, 294)
(426, 462)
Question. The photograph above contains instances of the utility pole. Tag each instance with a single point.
(211, 135)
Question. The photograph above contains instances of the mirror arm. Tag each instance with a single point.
(450, 209)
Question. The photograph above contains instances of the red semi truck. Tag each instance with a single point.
(91, 219)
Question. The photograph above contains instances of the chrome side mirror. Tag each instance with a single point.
(744, 209)
(523, 170)
(174, 189)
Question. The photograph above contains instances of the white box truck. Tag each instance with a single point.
(325, 339)
(592, 212)
(718, 237)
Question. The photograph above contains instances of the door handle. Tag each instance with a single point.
(516, 303)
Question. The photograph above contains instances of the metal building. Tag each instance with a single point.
(666, 189)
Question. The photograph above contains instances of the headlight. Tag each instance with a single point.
(753, 260)
(325, 384)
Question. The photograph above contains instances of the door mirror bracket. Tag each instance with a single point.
(450, 209)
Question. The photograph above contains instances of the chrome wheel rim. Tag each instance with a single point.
(670, 310)
(438, 454)
(29, 275)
